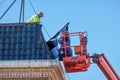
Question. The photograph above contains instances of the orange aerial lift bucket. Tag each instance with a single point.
(76, 63)
(80, 62)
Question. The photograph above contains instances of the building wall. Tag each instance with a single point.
(31, 70)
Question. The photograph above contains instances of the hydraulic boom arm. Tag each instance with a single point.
(105, 66)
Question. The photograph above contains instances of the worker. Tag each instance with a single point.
(65, 36)
(36, 17)
(62, 51)
(52, 45)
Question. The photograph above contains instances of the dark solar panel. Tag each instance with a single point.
(23, 41)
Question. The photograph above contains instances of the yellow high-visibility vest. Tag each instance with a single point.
(34, 18)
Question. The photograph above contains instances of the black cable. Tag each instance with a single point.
(20, 11)
(7, 9)
(68, 76)
(32, 6)
(46, 31)
(23, 10)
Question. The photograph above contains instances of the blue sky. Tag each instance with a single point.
(100, 18)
